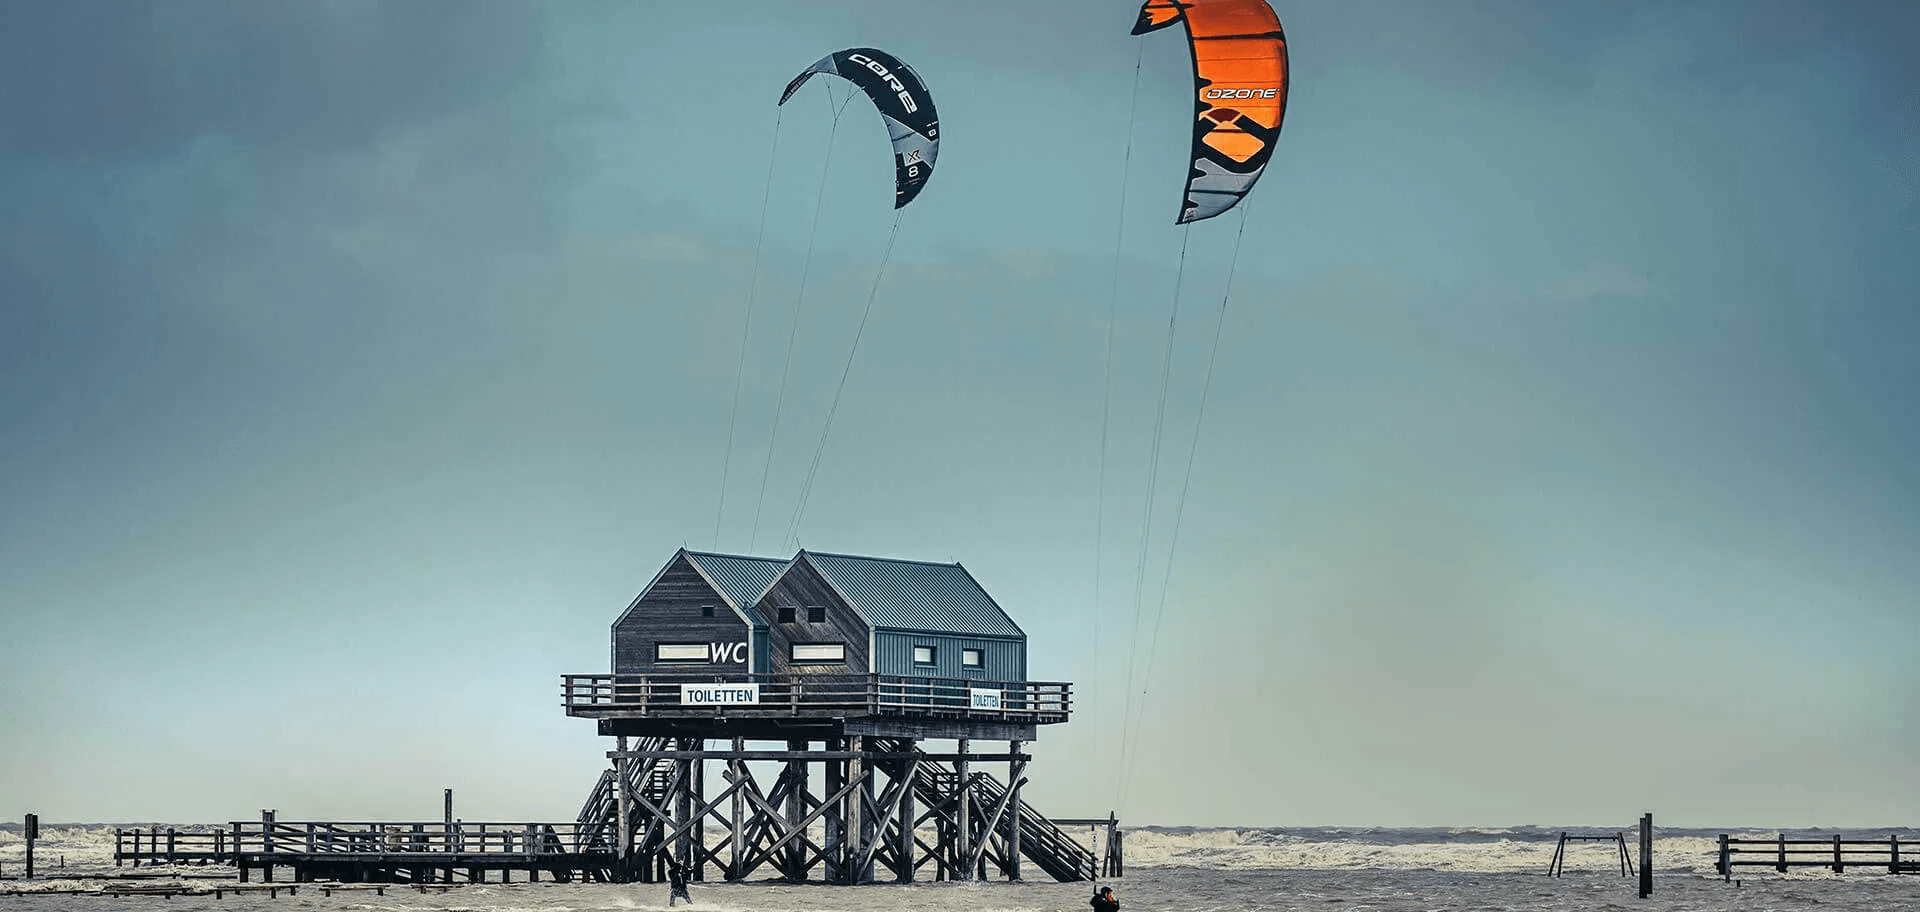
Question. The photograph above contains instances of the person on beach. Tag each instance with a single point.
(677, 881)
(1103, 901)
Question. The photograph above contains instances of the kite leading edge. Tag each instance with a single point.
(905, 106)
(1240, 80)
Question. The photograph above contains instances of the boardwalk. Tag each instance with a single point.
(404, 852)
(1837, 854)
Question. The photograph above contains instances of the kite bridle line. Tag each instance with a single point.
(1146, 524)
(1180, 502)
(805, 272)
(746, 327)
(806, 487)
(1106, 387)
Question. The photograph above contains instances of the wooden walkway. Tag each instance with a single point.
(1837, 854)
(378, 852)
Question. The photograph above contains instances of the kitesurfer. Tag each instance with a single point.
(677, 881)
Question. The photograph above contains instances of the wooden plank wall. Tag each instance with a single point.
(670, 612)
(798, 588)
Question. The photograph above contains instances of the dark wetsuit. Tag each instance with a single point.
(1104, 902)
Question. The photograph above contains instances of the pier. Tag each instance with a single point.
(1836, 854)
(378, 852)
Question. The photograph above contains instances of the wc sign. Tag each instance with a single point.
(984, 698)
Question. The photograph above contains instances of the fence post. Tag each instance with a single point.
(1781, 865)
(1839, 866)
(1726, 859)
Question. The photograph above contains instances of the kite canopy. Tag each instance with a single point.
(1240, 77)
(904, 104)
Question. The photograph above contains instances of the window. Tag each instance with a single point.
(816, 614)
(706, 611)
(786, 614)
(973, 658)
(679, 652)
(819, 652)
(923, 655)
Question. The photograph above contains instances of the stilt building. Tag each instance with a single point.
(810, 685)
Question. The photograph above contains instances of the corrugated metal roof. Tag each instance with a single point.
(914, 595)
(741, 578)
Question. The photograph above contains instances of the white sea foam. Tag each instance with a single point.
(1192, 869)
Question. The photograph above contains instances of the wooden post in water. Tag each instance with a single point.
(1893, 860)
(32, 832)
(1646, 855)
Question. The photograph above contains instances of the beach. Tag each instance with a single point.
(1192, 869)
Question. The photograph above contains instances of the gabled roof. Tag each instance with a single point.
(741, 578)
(913, 595)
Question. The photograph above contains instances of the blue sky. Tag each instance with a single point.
(359, 362)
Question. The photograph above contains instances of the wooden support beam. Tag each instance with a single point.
(963, 846)
(1016, 773)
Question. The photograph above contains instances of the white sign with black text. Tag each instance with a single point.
(983, 698)
(718, 694)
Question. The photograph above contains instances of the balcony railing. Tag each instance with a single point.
(695, 695)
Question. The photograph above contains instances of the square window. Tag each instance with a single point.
(816, 614)
(706, 611)
(819, 652)
(786, 614)
(923, 655)
(973, 658)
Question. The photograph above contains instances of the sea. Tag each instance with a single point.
(1191, 869)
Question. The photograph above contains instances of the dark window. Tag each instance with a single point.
(786, 614)
(706, 611)
(923, 655)
(816, 614)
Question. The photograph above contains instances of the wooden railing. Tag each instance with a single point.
(254, 838)
(594, 694)
(1781, 853)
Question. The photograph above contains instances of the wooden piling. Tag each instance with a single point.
(1646, 855)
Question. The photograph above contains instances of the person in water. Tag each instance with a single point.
(677, 881)
(1103, 901)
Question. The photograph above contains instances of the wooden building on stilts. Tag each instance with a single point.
(806, 688)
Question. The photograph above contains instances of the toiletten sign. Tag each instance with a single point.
(719, 694)
(984, 698)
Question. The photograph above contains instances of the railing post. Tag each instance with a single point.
(1726, 859)
(1781, 865)
(1893, 859)
(1839, 866)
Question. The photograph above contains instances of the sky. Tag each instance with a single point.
(360, 362)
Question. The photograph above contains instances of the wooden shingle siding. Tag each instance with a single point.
(799, 588)
(670, 612)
